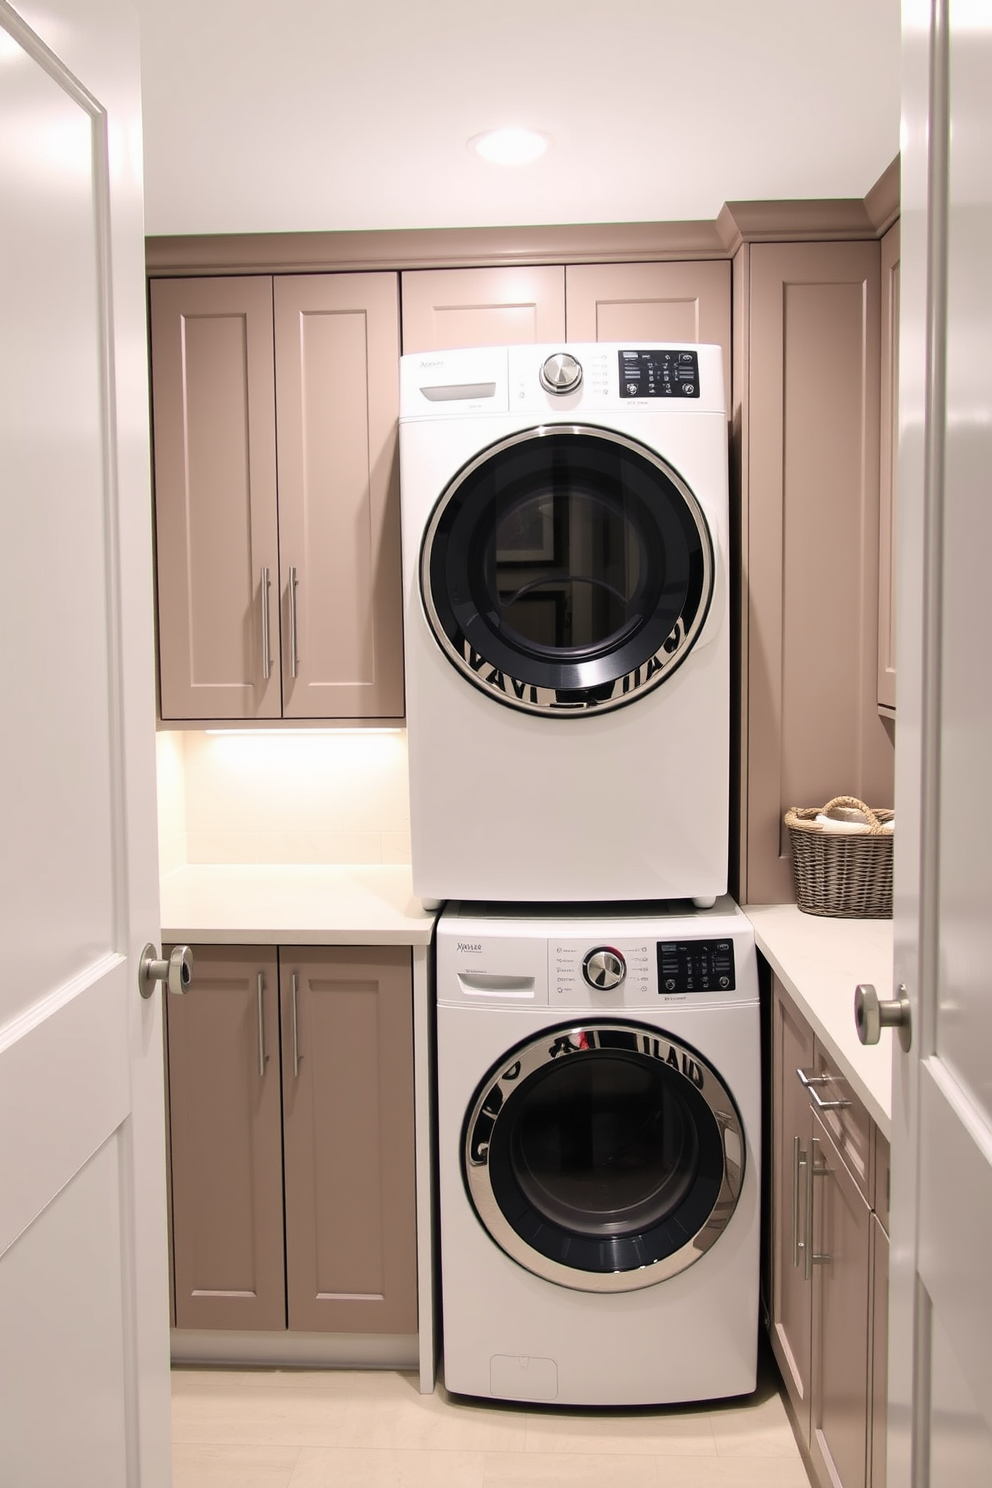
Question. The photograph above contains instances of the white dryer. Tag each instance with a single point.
(567, 621)
(599, 1114)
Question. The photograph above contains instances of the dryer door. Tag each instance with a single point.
(565, 569)
(604, 1156)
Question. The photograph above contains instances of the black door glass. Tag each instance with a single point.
(605, 1162)
(566, 567)
(604, 1146)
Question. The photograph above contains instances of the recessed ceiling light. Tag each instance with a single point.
(510, 146)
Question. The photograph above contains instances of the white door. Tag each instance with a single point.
(941, 1294)
(83, 1276)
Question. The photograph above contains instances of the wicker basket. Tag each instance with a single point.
(848, 874)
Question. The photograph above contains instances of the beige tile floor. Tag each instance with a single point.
(373, 1429)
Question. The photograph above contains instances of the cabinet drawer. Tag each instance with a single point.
(847, 1121)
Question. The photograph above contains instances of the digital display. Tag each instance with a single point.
(695, 966)
(659, 374)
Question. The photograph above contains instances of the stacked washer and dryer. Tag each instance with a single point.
(565, 539)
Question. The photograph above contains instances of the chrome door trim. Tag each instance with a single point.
(494, 1096)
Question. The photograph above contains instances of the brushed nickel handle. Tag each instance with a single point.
(813, 1170)
(261, 1026)
(176, 972)
(265, 586)
(873, 1013)
(296, 1029)
(294, 658)
(799, 1163)
(809, 1084)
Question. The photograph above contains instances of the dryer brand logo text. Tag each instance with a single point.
(471, 947)
(437, 362)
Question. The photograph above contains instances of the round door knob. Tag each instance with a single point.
(176, 972)
(872, 1014)
(604, 968)
(561, 373)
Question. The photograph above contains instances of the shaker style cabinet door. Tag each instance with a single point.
(226, 1142)
(215, 497)
(347, 1048)
(444, 309)
(676, 302)
(839, 1433)
(337, 383)
(791, 1321)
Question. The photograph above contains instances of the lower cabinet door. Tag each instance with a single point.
(226, 1142)
(347, 1049)
(791, 1310)
(879, 1352)
(841, 1319)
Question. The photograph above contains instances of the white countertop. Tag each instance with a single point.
(293, 904)
(821, 960)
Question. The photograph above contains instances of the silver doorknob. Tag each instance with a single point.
(176, 972)
(872, 1014)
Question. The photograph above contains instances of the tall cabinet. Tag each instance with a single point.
(808, 418)
(276, 496)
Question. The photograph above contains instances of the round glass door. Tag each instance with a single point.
(567, 569)
(605, 1157)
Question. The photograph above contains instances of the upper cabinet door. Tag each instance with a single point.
(215, 497)
(687, 302)
(888, 460)
(337, 373)
(444, 309)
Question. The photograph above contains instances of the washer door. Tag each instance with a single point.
(604, 1156)
(566, 569)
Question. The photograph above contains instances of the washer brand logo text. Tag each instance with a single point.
(437, 362)
(464, 945)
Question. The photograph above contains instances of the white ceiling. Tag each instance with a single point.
(304, 115)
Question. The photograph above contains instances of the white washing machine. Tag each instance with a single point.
(599, 1111)
(566, 621)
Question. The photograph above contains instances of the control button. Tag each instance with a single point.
(670, 984)
(561, 373)
(604, 968)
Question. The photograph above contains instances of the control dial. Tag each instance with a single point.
(561, 373)
(604, 968)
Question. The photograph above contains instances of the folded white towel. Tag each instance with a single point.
(850, 821)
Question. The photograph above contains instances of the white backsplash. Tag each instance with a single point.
(307, 797)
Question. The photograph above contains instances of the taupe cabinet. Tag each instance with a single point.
(829, 1258)
(809, 417)
(276, 496)
(291, 1078)
(447, 308)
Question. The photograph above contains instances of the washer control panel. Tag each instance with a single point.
(686, 966)
(640, 973)
(584, 975)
